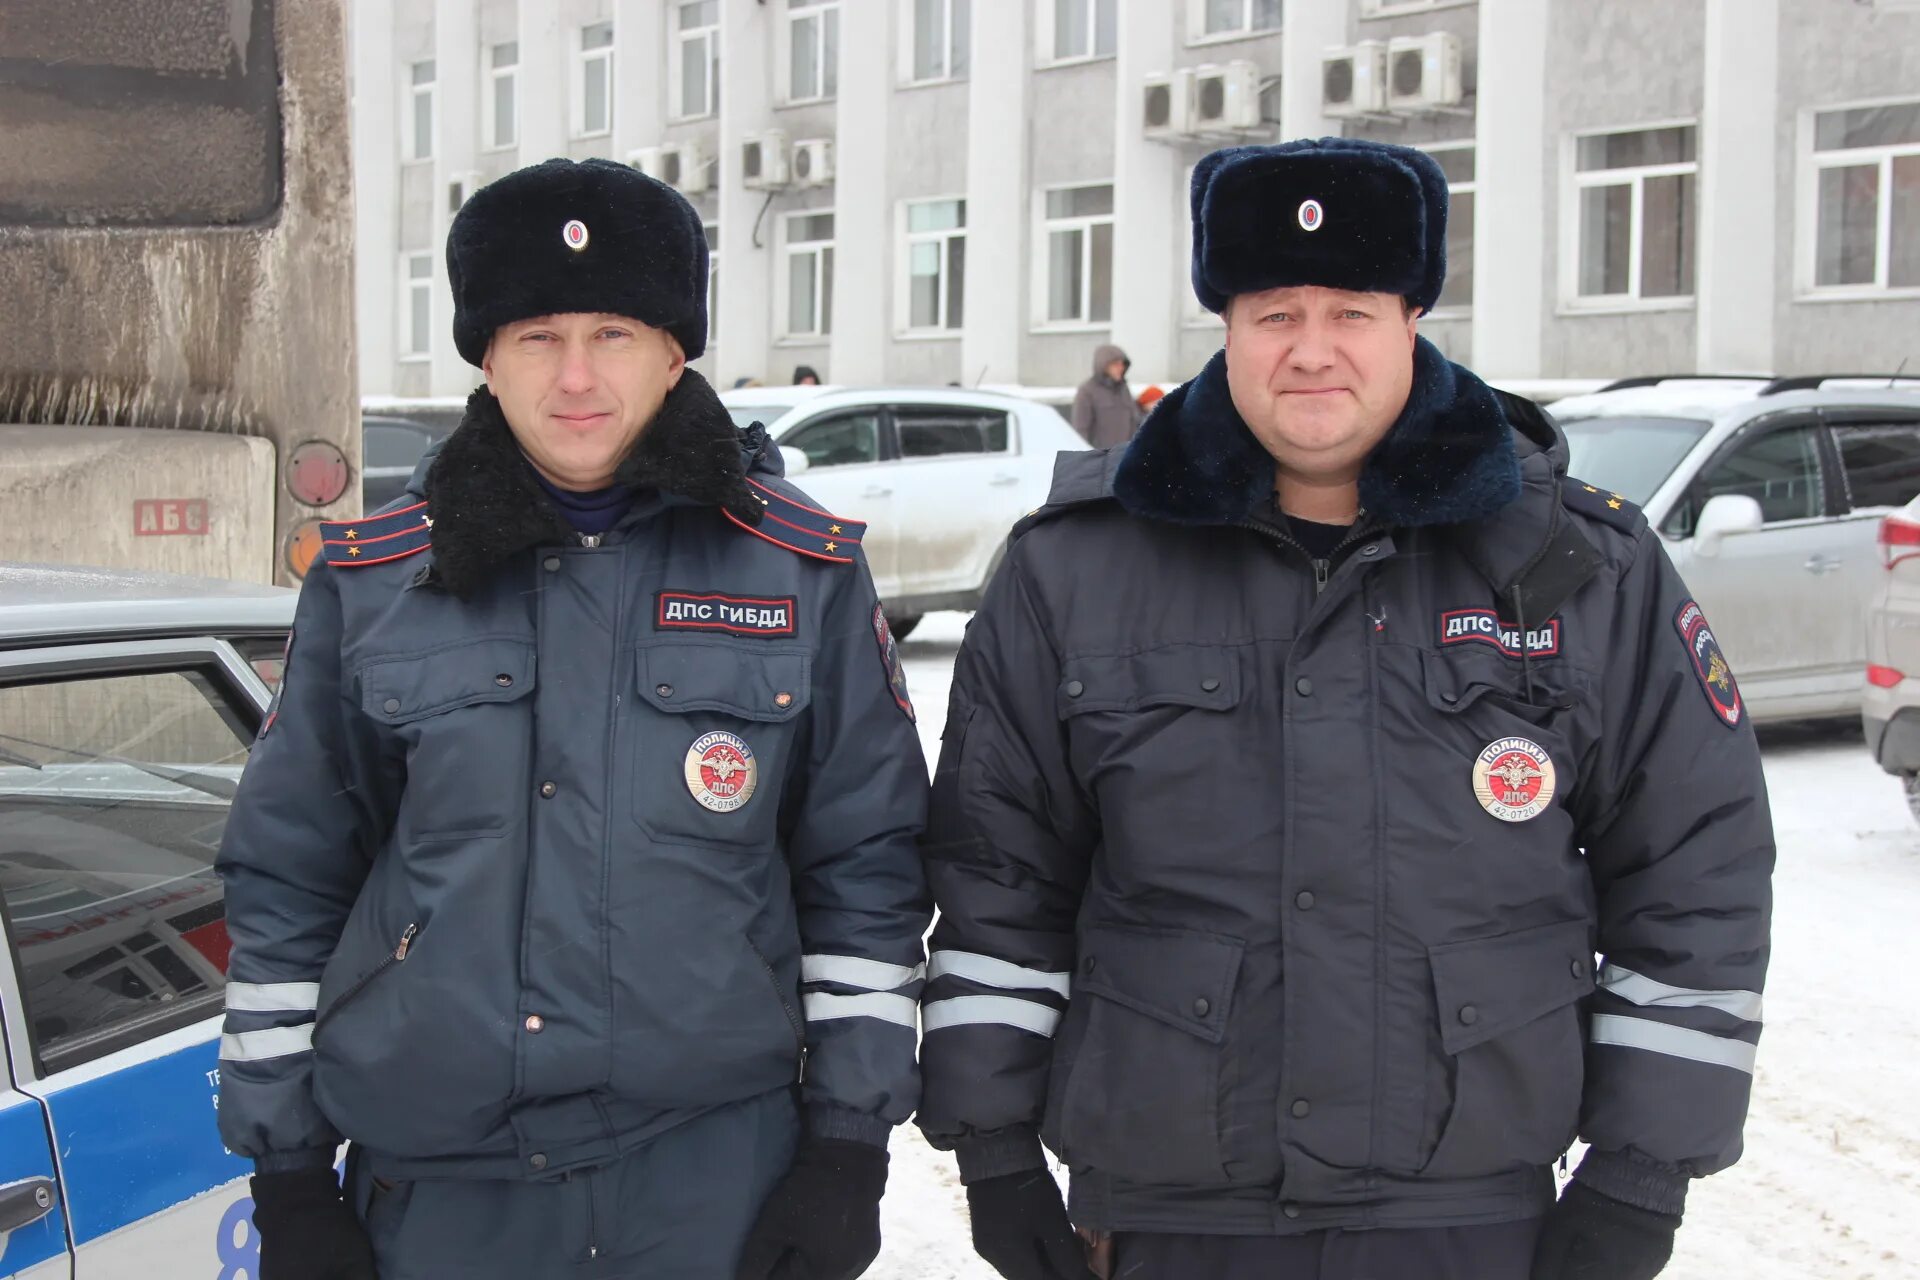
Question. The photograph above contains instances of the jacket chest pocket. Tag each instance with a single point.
(716, 733)
(1161, 714)
(461, 713)
(1480, 707)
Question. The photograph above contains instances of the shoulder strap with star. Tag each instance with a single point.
(1602, 504)
(803, 529)
(377, 539)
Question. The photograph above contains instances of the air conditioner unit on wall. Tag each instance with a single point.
(646, 160)
(684, 167)
(1166, 104)
(460, 188)
(1423, 72)
(1353, 80)
(763, 161)
(1226, 98)
(813, 162)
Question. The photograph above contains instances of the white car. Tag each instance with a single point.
(1890, 698)
(939, 476)
(1769, 495)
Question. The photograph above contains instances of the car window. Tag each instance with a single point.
(114, 791)
(839, 440)
(1630, 456)
(1780, 470)
(931, 431)
(1881, 461)
(393, 444)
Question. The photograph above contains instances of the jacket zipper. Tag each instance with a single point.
(1322, 568)
(396, 956)
(589, 539)
(773, 980)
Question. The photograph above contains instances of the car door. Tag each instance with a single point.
(850, 473)
(33, 1221)
(957, 491)
(1878, 455)
(1773, 595)
(118, 763)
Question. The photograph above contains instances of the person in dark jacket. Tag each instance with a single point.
(1301, 758)
(583, 816)
(805, 376)
(1104, 410)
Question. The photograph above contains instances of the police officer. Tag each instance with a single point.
(1300, 759)
(585, 812)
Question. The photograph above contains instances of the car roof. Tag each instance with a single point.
(60, 602)
(1712, 399)
(748, 397)
(916, 395)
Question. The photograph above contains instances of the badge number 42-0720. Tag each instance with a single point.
(1513, 779)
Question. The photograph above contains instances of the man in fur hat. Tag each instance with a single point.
(585, 813)
(1302, 756)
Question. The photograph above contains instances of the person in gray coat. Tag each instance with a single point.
(1104, 410)
(583, 818)
(1340, 810)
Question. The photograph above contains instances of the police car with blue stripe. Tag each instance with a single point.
(128, 703)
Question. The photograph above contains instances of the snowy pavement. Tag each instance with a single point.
(1829, 1188)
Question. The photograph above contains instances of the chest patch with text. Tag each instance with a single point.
(1483, 626)
(735, 615)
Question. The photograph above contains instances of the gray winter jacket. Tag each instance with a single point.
(1271, 888)
(551, 843)
(1104, 410)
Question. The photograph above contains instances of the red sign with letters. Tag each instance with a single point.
(169, 517)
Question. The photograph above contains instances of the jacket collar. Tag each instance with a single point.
(486, 504)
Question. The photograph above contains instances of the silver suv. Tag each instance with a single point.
(1769, 495)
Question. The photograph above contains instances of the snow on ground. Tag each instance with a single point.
(1829, 1188)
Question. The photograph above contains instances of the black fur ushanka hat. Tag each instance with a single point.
(566, 236)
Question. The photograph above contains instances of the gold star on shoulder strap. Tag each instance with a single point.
(832, 546)
(352, 534)
(1614, 503)
(833, 528)
(353, 551)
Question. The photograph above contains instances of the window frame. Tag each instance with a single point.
(246, 698)
(1835, 420)
(1401, 8)
(490, 78)
(1826, 460)
(905, 238)
(822, 253)
(885, 445)
(907, 78)
(1046, 53)
(820, 12)
(907, 408)
(1044, 229)
(416, 90)
(1198, 35)
(581, 60)
(409, 285)
(677, 38)
(711, 230)
(1807, 212)
(1454, 190)
(1574, 183)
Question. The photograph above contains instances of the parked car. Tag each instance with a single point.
(767, 405)
(1890, 698)
(128, 703)
(1769, 494)
(394, 435)
(939, 475)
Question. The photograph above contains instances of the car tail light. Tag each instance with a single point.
(1883, 677)
(1899, 540)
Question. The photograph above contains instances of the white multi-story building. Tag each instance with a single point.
(933, 191)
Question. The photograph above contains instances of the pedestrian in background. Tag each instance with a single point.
(1104, 410)
(804, 376)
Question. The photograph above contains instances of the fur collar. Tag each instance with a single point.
(487, 505)
(1449, 459)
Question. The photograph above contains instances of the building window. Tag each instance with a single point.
(809, 275)
(593, 81)
(420, 135)
(1078, 233)
(416, 325)
(935, 253)
(1866, 198)
(712, 230)
(1083, 29)
(1457, 162)
(1229, 19)
(1634, 201)
(502, 106)
(939, 33)
(813, 37)
(697, 67)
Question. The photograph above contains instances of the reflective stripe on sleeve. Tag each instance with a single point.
(273, 997)
(853, 971)
(822, 1007)
(990, 972)
(1007, 1011)
(274, 1042)
(1675, 1042)
(1641, 990)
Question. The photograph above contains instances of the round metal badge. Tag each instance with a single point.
(721, 772)
(1513, 779)
(575, 234)
(1311, 215)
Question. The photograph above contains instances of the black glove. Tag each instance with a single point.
(822, 1221)
(1020, 1227)
(307, 1231)
(1590, 1236)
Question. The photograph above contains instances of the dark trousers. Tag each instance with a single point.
(678, 1207)
(1501, 1251)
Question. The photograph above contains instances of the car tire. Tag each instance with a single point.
(903, 627)
(1910, 783)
